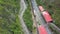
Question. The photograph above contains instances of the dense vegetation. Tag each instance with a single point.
(9, 21)
(28, 16)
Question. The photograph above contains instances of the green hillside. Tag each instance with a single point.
(9, 21)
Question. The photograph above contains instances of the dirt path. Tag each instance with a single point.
(22, 10)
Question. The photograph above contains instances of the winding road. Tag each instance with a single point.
(22, 10)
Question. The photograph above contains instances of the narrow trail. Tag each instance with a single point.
(22, 10)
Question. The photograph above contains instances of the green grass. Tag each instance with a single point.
(28, 16)
(56, 17)
(9, 21)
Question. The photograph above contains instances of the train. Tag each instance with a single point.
(45, 14)
(42, 30)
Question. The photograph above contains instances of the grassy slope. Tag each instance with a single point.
(56, 15)
(28, 17)
(9, 21)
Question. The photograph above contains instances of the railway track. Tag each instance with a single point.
(39, 18)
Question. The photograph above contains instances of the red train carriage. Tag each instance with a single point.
(42, 30)
(46, 15)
